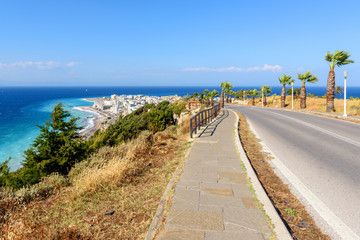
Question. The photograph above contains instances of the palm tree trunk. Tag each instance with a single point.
(265, 101)
(283, 96)
(230, 99)
(222, 99)
(227, 98)
(303, 96)
(330, 92)
(253, 100)
(212, 101)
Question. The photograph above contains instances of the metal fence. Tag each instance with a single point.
(203, 117)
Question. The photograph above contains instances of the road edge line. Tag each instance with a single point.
(337, 226)
(279, 227)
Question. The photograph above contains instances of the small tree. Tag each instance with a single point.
(231, 93)
(56, 149)
(285, 79)
(266, 90)
(213, 94)
(206, 96)
(296, 92)
(254, 93)
(338, 91)
(306, 77)
(247, 94)
(228, 91)
(224, 89)
(339, 58)
(239, 94)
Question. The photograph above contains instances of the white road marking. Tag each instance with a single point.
(345, 139)
(332, 220)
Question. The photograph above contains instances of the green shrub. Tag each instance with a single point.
(149, 117)
(56, 149)
(179, 108)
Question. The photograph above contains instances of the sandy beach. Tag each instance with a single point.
(96, 123)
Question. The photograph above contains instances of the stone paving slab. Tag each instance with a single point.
(212, 199)
(204, 220)
(233, 235)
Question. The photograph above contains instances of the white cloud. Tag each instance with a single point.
(39, 65)
(266, 67)
(71, 64)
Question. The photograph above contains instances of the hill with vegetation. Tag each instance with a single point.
(105, 187)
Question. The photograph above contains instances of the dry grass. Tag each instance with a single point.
(298, 220)
(315, 104)
(128, 179)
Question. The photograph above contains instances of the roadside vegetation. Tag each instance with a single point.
(291, 210)
(313, 103)
(110, 192)
(302, 100)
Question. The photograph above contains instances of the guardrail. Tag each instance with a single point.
(203, 117)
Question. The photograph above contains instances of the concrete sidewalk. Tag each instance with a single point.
(212, 199)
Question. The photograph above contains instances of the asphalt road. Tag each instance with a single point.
(320, 158)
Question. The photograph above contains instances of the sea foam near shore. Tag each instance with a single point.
(90, 123)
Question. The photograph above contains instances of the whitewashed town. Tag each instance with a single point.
(125, 104)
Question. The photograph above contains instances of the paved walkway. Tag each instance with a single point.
(212, 199)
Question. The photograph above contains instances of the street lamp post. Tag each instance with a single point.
(345, 75)
(292, 95)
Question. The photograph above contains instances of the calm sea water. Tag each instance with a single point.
(22, 108)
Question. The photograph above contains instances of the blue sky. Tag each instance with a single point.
(174, 43)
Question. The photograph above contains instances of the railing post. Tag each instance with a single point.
(191, 128)
(199, 121)
(202, 118)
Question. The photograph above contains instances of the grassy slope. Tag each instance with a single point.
(129, 179)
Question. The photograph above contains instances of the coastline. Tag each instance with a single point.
(95, 123)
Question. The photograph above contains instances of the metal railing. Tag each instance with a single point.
(203, 117)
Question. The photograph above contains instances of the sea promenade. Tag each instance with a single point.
(212, 198)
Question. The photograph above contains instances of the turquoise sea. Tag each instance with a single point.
(23, 108)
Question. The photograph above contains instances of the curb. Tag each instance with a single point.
(155, 224)
(279, 227)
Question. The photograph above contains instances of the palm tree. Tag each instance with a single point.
(338, 90)
(213, 94)
(231, 93)
(296, 92)
(206, 96)
(306, 77)
(240, 94)
(285, 79)
(228, 91)
(339, 58)
(266, 90)
(223, 86)
(247, 93)
(253, 93)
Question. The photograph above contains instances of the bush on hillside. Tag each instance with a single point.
(56, 149)
(149, 117)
